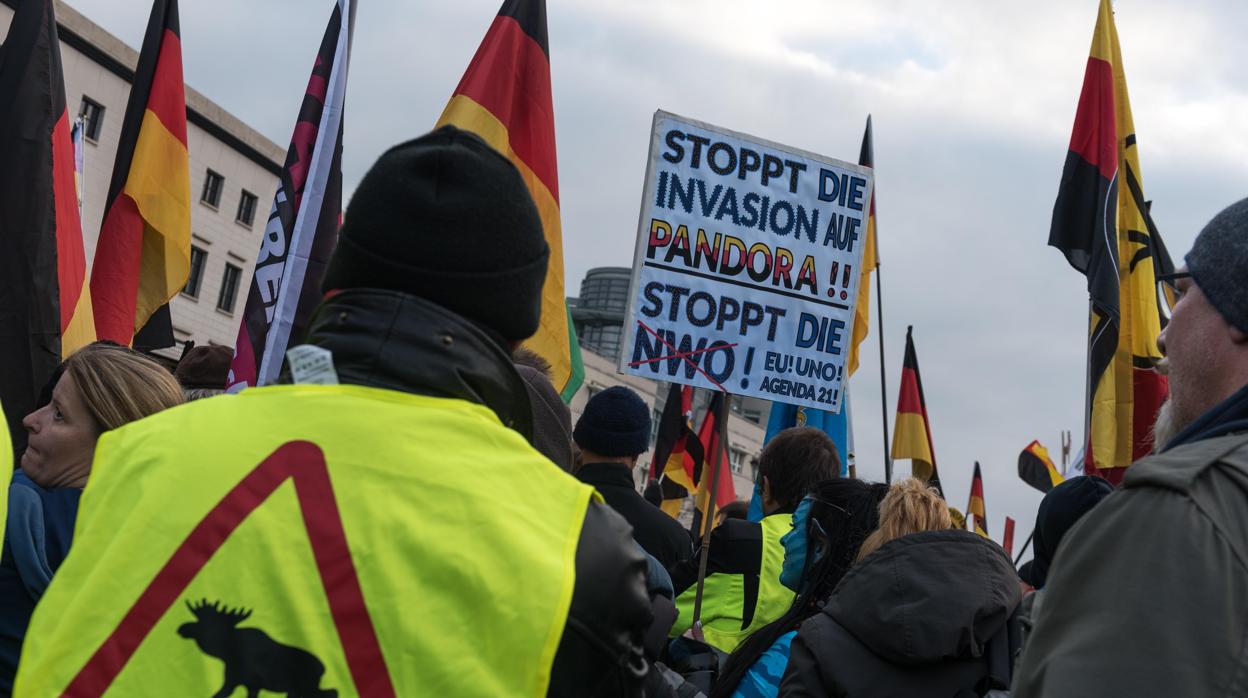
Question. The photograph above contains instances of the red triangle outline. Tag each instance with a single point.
(303, 462)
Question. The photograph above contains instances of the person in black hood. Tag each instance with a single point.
(925, 612)
(1060, 509)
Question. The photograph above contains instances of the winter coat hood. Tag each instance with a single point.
(927, 597)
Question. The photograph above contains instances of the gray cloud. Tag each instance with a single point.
(973, 104)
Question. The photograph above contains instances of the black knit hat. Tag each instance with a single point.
(447, 218)
(616, 422)
(1218, 262)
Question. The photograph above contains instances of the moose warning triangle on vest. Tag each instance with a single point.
(252, 659)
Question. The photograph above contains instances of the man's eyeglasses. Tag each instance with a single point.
(1168, 293)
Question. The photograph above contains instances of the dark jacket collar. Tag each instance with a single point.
(1227, 417)
(388, 339)
(606, 475)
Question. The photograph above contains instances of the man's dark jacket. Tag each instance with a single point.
(391, 340)
(1148, 595)
(925, 615)
(656, 532)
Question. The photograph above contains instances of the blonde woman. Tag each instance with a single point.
(924, 612)
(101, 387)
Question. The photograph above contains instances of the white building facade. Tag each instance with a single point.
(233, 170)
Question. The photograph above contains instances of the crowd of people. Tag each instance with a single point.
(470, 540)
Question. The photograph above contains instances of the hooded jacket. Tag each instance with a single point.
(925, 615)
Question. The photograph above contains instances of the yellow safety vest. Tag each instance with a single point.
(723, 595)
(308, 539)
(6, 469)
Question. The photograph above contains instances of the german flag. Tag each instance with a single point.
(1037, 469)
(912, 432)
(45, 306)
(975, 510)
(676, 450)
(1101, 223)
(870, 260)
(144, 252)
(708, 436)
(504, 97)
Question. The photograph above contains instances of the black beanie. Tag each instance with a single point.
(447, 218)
(616, 422)
(1059, 511)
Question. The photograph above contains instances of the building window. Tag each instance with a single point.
(196, 276)
(229, 288)
(246, 208)
(92, 114)
(736, 460)
(213, 183)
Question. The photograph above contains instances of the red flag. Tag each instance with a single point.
(45, 307)
(1008, 541)
(304, 218)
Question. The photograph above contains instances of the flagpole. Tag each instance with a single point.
(1024, 548)
(879, 314)
(721, 425)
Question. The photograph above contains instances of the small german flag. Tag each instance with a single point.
(1101, 223)
(144, 252)
(504, 97)
(704, 470)
(45, 306)
(677, 450)
(975, 510)
(912, 432)
(1037, 469)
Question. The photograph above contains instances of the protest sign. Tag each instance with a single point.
(746, 268)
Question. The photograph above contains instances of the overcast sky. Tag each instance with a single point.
(973, 104)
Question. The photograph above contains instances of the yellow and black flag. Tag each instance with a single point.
(976, 510)
(912, 432)
(1037, 469)
(1101, 223)
(505, 98)
(144, 253)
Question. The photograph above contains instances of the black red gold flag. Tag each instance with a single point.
(143, 255)
(677, 450)
(1036, 468)
(504, 97)
(912, 432)
(709, 434)
(870, 260)
(975, 510)
(1101, 223)
(45, 305)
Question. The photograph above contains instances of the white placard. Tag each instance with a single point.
(747, 265)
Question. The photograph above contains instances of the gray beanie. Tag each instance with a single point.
(1219, 263)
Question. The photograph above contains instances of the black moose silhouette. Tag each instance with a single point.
(252, 658)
